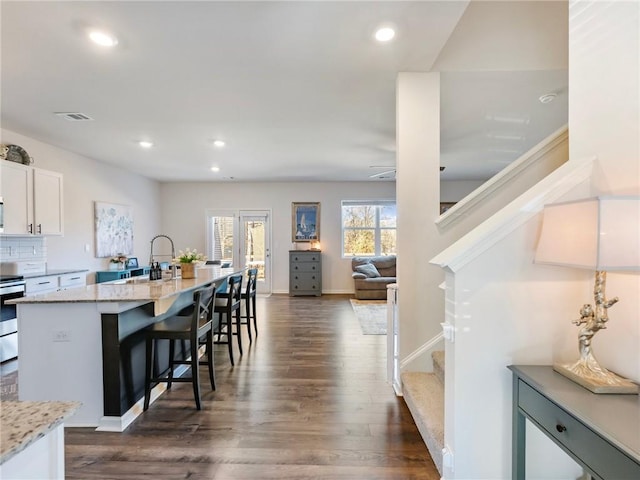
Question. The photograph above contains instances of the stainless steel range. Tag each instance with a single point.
(11, 286)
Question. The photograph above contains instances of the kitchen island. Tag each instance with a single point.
(86, 344)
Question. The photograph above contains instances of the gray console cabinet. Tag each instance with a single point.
(599, 431)
(305, 273)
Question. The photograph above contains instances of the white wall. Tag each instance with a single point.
(454, 191)
(184, 205)
(604, 93)
(516, 35)
(418, 198)
(509, 310)
(87, 181)
(604, 120)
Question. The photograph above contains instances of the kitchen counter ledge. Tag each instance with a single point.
(22, 423)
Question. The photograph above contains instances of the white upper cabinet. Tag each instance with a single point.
(32, 200)
(47, 202)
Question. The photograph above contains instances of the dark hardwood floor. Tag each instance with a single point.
(307, 400)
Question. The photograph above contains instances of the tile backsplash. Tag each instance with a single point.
(14, 249)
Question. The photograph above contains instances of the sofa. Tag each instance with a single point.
(371, 276)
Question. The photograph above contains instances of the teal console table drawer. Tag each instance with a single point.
(599, 431)
(111, 275)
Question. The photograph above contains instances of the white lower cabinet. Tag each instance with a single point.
(39, 285)
(53, 283)
(71, 280)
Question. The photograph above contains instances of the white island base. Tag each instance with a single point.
(61, 359)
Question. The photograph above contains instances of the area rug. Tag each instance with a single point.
(372, 315)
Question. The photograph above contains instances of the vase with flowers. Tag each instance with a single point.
(188, 260)
(119, 262)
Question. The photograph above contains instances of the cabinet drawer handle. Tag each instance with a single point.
(44, 283)
(561, 428)
(74, 278)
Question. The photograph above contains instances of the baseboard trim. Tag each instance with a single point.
(119, 424)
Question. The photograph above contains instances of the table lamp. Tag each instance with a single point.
(600, 234)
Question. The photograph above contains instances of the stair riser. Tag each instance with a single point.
(438, 365)
(424, 396)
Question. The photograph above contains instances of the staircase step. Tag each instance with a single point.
(438, 364)
(424, 395)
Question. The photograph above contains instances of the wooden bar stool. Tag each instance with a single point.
(192, 327)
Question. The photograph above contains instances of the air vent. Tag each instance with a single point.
(74, 116)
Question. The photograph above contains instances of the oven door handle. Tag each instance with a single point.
(13, 289)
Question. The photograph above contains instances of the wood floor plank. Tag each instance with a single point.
(307, 400)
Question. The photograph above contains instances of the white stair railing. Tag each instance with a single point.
(393, 339)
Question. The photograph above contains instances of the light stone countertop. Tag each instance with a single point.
(135, 289)
(22, 423)
(53, 272)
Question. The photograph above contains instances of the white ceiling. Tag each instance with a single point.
(297, 90)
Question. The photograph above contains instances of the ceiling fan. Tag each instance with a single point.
(387, 171)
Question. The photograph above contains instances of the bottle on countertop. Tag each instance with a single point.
(155, 273)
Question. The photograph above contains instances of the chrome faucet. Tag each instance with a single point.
(173, 254)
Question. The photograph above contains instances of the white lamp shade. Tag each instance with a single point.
(601, 233)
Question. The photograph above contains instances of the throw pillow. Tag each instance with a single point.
(369, 269)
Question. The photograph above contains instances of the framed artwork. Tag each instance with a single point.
(305, 221)
(114, 229)
(444, 206)
(132, 262)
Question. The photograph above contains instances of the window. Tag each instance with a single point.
(368, 228)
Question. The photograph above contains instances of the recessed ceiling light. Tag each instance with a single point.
(103, 39)
(547, 97)
(385, 34)
(219, 143)
(215, 169)
(145, 144)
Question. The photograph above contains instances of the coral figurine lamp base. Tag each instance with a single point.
(602, 381)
